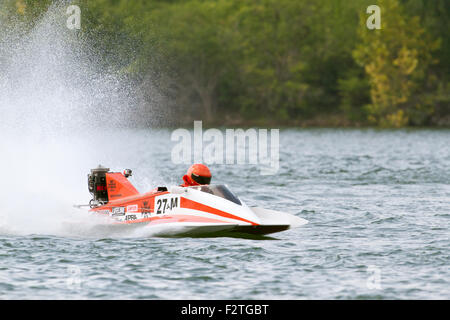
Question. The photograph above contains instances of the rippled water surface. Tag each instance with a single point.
(378, 205)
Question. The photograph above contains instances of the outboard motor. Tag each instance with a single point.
(97, 186)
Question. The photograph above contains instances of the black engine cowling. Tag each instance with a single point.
(97, 186)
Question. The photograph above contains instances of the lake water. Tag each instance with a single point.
(377, 202)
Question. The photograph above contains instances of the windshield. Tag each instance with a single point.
(219, 190)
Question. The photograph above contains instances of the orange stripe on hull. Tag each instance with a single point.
(189, 204)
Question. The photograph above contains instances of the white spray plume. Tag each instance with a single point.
(57, 107)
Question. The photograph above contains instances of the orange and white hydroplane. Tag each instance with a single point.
(181, 211)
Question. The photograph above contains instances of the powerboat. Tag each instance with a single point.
(204, 210)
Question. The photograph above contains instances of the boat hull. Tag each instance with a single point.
(191, 212)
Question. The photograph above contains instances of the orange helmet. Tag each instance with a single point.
(199, 174)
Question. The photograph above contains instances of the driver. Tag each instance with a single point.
(197, 174)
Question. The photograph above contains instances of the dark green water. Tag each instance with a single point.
(378, 205)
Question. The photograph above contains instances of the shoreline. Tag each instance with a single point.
(301, 124)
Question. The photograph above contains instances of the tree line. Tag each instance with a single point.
(284, 62)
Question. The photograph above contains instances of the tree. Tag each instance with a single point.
(190, 40)
(397, 60)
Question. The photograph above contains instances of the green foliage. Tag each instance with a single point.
(397, 60)
(276, 61)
